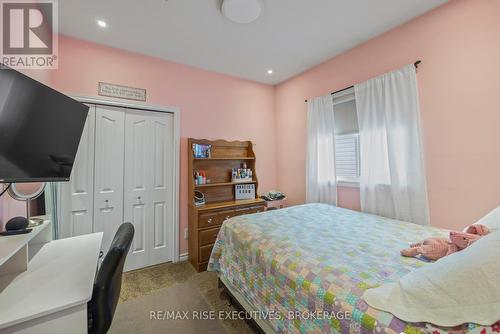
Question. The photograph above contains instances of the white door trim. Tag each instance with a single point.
(176, 111)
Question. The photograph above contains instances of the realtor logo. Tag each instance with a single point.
(29, 34)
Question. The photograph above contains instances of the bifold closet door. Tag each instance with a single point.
(148, 168)
(77, 195)
(162, 132)
(123, 172)
(108, 170)
(137, 195)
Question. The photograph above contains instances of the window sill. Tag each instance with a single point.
(348, 184)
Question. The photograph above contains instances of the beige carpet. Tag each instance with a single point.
(177, 309)
(171, 287)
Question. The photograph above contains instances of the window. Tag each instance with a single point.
(347, 164)
(347, 160)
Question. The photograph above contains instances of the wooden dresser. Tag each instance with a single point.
(220, 204)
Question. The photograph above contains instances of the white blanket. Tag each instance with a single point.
(463, 287)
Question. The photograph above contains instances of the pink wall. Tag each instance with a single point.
(348, 197)
(212, 105)
(459, 84)
(10, 208)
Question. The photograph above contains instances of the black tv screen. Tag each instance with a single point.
(40, 130)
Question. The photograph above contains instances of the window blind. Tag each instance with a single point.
(347, 163)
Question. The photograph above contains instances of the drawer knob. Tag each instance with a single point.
(209, 221)
(227, 217)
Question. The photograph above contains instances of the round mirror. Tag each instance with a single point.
(27, 192)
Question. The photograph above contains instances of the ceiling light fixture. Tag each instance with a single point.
(242, 11)
(269, 72)
(101, 23)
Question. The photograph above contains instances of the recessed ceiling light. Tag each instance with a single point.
(101, 23)
(269, 72)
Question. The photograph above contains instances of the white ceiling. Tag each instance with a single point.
(289, 37)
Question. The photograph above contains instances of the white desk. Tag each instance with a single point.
(17, 250)
(51, 295)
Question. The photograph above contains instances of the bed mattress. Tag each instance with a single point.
(305, 268)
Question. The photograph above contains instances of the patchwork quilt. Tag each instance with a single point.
(306, 267)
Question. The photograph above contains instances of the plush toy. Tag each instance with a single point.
(477, 229)
(436, 248)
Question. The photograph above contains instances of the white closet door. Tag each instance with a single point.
(108, 186)
(77, 195)
(162, 171)
(148, 188)
(137, 196)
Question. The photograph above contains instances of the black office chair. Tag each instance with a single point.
(101, 308)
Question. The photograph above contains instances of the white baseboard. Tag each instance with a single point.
(183, 257)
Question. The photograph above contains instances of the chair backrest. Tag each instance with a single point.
(107, 285)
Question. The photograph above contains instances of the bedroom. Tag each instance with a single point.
(212, 78)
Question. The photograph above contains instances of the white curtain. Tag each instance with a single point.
(392, 182)
(321, 185)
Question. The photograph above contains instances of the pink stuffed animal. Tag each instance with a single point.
(477, 229)
(436, 248)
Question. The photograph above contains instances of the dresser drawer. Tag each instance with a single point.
(249, 210)
(205, 252)
(208, 236)
(214, 218)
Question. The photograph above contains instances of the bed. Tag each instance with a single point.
(304, 269)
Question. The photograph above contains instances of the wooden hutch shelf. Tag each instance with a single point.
(220, 203)
(223, 205)
(222, 184)
(231, 158)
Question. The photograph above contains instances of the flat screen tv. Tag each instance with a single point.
(40, 130)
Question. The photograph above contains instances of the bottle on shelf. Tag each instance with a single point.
(241, 174)
(200, 177)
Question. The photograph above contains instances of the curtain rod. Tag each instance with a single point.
(343, 89)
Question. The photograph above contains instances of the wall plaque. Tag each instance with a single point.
(121, 92)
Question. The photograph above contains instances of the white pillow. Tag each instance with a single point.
(492, 219)
(460, 288)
